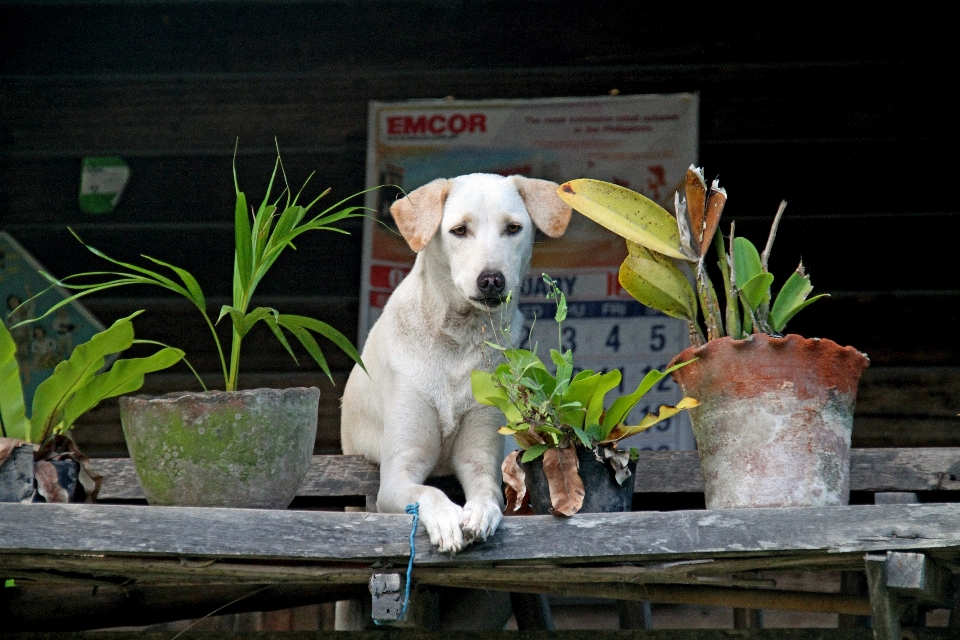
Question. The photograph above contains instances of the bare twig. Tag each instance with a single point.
(765, 256)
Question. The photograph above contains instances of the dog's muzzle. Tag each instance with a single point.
(491, 285)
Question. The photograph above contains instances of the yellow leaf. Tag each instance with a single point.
(657, 284)
(626, 213)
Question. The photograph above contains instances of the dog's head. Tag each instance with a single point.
(481, 225)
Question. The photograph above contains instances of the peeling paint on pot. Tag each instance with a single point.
(775, 418)
(248, 448)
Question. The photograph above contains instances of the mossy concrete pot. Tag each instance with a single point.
(775, 418)
(247, 448)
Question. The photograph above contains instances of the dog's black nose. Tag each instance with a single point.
(491, 283)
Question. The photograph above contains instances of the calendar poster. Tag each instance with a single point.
(643, 142)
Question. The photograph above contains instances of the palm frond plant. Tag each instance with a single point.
(261, 235)
(240, 448)
(552, 414)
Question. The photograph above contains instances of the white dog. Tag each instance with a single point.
(414, 414)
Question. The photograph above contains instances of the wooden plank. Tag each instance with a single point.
(325, 109)
(365, 537)
(569, 634)
(933, 469)
(33, 608)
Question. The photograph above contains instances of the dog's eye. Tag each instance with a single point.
(514, 228)
(459, 230)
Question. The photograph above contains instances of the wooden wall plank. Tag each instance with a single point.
(920, 469)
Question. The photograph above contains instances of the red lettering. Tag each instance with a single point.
(457, 123)
(436, 124)
(415, 126)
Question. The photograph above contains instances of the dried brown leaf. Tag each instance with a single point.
(7, 445)
(695, 188)
(566, 488)
(716, 200)
(48, 484)
(515, 479)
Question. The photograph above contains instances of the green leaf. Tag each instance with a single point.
(608, 381)
(658, 286)
(70, 375)
(624, 404)
(534, 452)
(746, 260)
(791, 299)
(193, 288)
(626, 213)
(582, 436)
(125, 376)
(580, 392)
(13, 419)
(756, 290)
(485, 389)
(620, 432)
(564, 363)
(290, 322)
(241, 230)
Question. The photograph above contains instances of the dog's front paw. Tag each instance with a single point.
(480, 520)
(442, 522)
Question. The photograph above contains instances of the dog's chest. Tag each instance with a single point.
(452, 394)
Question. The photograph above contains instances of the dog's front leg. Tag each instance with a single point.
(477, 455)
(406, 463)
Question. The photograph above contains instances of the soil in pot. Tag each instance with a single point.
(602, 492)
(775, 418)
(247, 448)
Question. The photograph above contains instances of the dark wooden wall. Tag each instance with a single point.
(846, 113)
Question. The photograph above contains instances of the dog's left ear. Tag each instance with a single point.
(546, 209)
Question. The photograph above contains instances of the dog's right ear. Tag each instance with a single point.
(419, 213)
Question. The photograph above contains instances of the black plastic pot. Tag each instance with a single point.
(17, 480)
(16, 475)
(601, 492)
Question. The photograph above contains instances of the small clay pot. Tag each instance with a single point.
(601, 492)
(775, 418)
(247, 448)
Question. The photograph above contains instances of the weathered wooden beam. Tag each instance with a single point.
(47, 608)
(659, 472)
(208, 533)
(413, 634)
(916, 576)
(885, 607)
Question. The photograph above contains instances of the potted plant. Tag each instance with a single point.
(37, 455)
(239, 448)
(569, 460)
(776, 414)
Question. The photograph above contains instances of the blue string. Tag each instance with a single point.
(414, 510)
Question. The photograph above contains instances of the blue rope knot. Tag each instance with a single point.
(414, 510)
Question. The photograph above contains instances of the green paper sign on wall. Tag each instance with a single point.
(102, 180)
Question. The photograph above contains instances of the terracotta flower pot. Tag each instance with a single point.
(775, 418)
(226, 449)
